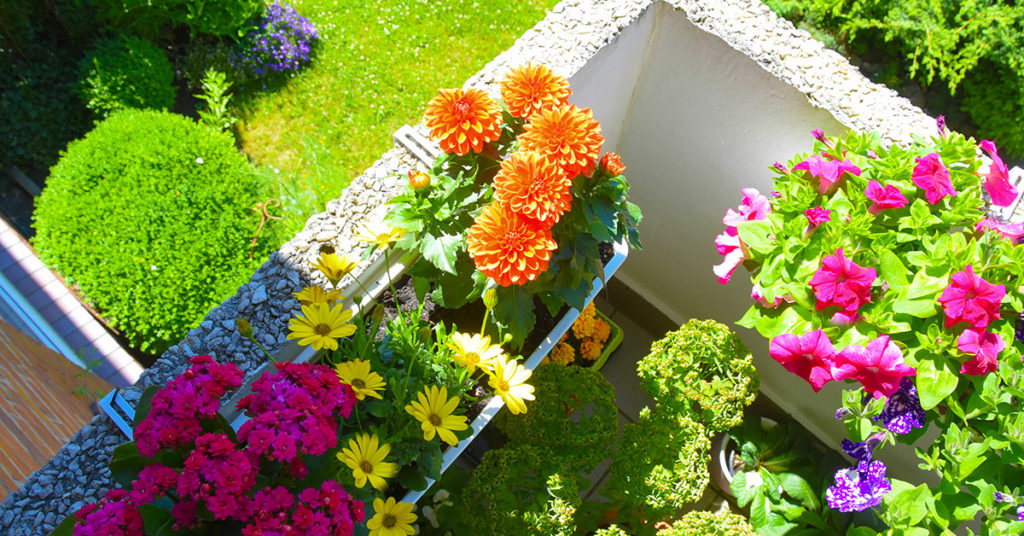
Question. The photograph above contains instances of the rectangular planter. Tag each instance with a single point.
(122, 413)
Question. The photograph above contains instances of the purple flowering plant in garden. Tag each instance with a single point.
(282, 41)
(883, 266)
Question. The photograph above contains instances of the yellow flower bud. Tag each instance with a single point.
(490, 298)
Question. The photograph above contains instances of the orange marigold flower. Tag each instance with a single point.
(568, 134)
(463, 121)
(509, 248)
(591, 349)
(528, 89)
(590, 311)
(601, 330)
(562, 354)
(533, 186)
(583, 327)
(612, 164)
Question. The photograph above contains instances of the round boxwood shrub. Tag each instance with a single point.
(149, 214)
(702, 370)
(126, 72)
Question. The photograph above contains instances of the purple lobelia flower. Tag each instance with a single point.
(859, 488)
(281, 42)
(903, 412)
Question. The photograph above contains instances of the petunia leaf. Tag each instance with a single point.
(891, 270)
(757, 235)
(935, 381)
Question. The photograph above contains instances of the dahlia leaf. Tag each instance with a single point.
(515, 312)
(442, 250)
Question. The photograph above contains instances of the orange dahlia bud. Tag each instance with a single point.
(612, 164)
(533, 186)
(568, 134)
(463, 121)
(509, 248)
(528, 89)
(419, 180)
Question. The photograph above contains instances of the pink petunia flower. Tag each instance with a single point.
(842, 282)
(971, 299)
(818, 215)
(879, 366)
(728, 245)
(985, 346)
(827, 171)
(810, 356)
(997, 178)
(884, 197)
(757, 295)
(753, 206)
(931, 175)
(1010, 231)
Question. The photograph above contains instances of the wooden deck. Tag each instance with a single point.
(39, 410)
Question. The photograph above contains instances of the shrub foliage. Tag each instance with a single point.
(126, 72)
(149, 214)
(146, 17)
(960, 43)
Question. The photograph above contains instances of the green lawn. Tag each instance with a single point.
(375, 70)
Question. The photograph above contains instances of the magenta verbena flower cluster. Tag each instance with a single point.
(177, 409)
(292, 412)
(203, 475)
(281, 42)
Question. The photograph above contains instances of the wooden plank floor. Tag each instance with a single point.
(39, 410)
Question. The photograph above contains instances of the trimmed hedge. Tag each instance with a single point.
(126, 72)
(149, 215)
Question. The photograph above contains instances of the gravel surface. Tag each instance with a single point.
(564, 40)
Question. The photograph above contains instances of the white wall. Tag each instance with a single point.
(703, 121)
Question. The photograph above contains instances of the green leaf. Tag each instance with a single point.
(923, 308)
(412, 478)
(740, 490)
(892, 270)
(441, 251)
(144, 405)
(906, 504)
(935, 381)
(126, 464)
(925, 286)
(757, 235)
(515, 312)
(798, 488)
(156, 521)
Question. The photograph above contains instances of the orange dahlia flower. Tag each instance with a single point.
(463, 121)
(509, 248)
(568, 134)
(533, 186)
(528, 89)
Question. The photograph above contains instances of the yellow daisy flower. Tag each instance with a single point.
(391, 518)
(357, 375)
(472, 351)
(508, 379)
(434, 410)
(382, 236)
(321, 325)
(365, 456)
(315, 294)
(335, 267)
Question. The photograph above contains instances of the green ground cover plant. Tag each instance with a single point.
(125, 72)
(149, 215)
(372, 73)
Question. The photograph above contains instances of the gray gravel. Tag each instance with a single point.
(564, 40)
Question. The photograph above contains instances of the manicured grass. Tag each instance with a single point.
(375, 70)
